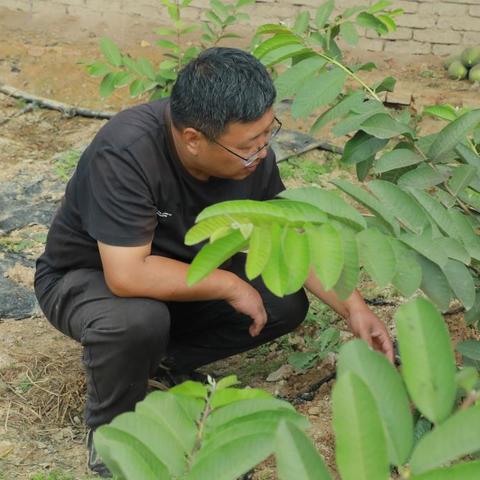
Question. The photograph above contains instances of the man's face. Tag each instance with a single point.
(243, 140)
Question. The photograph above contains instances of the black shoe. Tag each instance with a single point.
(166, 377)
(95, 463)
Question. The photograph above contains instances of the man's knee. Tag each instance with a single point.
(137, 325)
(290, 311)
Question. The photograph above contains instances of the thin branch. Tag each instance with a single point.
(68, 110)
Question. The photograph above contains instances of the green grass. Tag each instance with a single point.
(308, 171)
(65, 163)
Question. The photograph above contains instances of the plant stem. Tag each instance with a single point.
(471, 398)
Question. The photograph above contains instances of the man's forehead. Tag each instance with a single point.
(250, 130)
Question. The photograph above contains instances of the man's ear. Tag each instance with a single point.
(193, 140)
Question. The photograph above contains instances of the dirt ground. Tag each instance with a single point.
(41, 382)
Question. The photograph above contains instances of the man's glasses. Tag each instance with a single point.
(252, 157)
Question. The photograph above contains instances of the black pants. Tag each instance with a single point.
(125, 339)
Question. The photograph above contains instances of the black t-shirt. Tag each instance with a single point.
(130, 188)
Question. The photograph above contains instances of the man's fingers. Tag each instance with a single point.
(382, 339)
(259, 322)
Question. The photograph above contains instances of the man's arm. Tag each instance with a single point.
(362, 321)
(134, 272)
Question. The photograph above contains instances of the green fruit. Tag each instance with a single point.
(449, 60)
(471, 56)
(474, 74)
(457, 70)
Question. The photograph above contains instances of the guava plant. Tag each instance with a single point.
(220, 431)
(422, 196)
(142, 77)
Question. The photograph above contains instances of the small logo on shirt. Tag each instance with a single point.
(163, 214)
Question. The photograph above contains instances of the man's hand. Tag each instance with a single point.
(245, 299)
(367, 326)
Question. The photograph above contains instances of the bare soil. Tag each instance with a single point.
(41, 381)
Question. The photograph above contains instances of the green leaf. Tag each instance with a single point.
(435, 284)
(146, 67)
(468, 155)
(370, 202)
(206, 228)
(166, 31)
(297, 458)
(470, 349)
(259, 251)
(127, 457)
(466, 378)
(190, 389)
(456, 437)
(98, 69)
(229, 395)
(295, 248)
(360, 147)
(400, 204)
(461, 178)
(168, 44)
(327, 201)
(219, 8)
(111, 51)
(273, 28)
(318, 91)
(326, 254)
(399, 158)
(422, 177)
(454, 249)
(275, 273)
(137, 87)
(323, 13)
(363, 168)
(227, 382)
(355, 119)
(351, 270)
(386, 386)
(428, 364)
(472, 317)
(379, 6)
(107, 85)
(445, 112)
(408, 276)
(361, 448)
(246, 408)
(425, 245)
(286, 52)
(290, 81)
(386, 85)
(461, 282)
(302, 360)
(383, 125)
(121, 79)
(338, 110)
(377, 256)
(232, 459)
(368, 20)
(462, 471)
(213, 255)
(349, 33)
(450, 136)
(435, 210)
(156, 437)
(279, 40)
(301, 22)
(388, 21)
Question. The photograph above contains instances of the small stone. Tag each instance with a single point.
(283, 372)
(314, 411)
(76, 420)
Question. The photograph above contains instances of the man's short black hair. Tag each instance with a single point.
(220, 86)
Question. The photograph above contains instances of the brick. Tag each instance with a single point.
(21, 5)
(415, 21)
(434, 35)
(409, 47)
(475, 11)
(446, 49)
(459, 23)
(400, 33)
(471, 38)
(273, 12)
(442, 9)
(372, 45)
(468, 2)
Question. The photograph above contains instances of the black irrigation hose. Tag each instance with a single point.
(309, 394)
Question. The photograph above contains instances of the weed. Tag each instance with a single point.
(65, 163)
